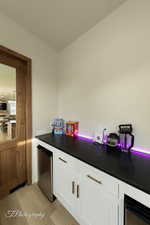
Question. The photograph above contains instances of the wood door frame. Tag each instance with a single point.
(28, 107)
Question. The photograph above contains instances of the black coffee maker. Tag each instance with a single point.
(126, 137)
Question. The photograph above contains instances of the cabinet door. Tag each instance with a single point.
(97, 206)
(64, 181)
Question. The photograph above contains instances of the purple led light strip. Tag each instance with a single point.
(133, 149)
(85, 136)
(141, 150)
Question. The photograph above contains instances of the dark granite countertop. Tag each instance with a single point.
(133, 168)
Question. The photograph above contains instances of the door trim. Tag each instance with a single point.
(28, 115)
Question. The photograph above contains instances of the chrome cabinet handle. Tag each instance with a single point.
(73, 187)
(78, 191)
(94, 179)
(64, 161)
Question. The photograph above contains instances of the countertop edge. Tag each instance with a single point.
(101, 169)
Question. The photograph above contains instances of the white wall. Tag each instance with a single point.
(43, 74)
(104, 76)
(44, 61)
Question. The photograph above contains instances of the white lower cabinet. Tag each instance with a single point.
(97, 206)
(90, 197)
(64, 181)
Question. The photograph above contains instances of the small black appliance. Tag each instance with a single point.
(113, 140)
(126, 136)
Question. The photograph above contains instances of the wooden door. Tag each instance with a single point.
(14, 160)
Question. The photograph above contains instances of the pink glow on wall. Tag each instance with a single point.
(85, 136)
(141, 150)
(135, 149)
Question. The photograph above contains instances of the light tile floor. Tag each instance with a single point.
(31, 201)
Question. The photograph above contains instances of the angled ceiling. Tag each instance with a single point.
(58, 22)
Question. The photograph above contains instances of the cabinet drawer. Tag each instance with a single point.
(65, 159)
(97, 177)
